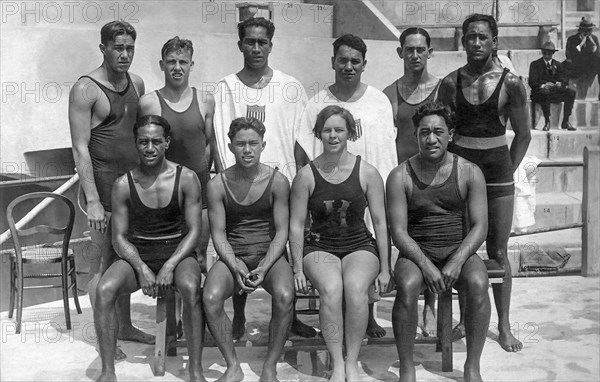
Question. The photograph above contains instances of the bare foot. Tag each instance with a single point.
(409, 375)
(429, 322)
(107, 377)
(352, 372)
(508, 342)
(232, 374)
(472, 374)
(301, 329)
(269, 374)
(131, 333)
(119, 354)
(238, 327)
(374, 330)
(458, 332)
(338, 375)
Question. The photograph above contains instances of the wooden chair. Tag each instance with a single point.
(166, 332)
(42, 253)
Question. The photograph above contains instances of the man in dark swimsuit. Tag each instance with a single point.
(156, 227)
(415, 88)
(249, 220)
(102, 112)
(484, 96)
(190, 114)
(429, 196)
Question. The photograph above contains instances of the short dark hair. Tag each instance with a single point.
(176, 44)
(256, 22)
(351, 41)
(329, 112)
(116, 28)
(244, 123)
(480, 17)
(414, 30)
(152, 120)
(435, 108)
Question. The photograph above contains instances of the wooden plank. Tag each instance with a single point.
(590, 257)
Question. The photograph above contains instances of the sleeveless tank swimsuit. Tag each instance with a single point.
(483, 121)
(188, 141)
(337, 212)
(112, 146)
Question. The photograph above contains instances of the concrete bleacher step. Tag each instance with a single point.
(559, 179)
(585, 114)
(558, 143)
(564, 143)
(557, 209)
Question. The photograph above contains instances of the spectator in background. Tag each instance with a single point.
(583, 56)
(548, 82)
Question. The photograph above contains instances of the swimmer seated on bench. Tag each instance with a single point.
(249, 218)
(428, 196)
(156, 227)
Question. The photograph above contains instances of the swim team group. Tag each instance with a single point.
(308, 193)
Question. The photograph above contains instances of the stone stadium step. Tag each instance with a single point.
(557, 209)
(559, 179)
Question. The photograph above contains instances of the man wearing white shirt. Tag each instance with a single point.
(274, 98)
(376, 141)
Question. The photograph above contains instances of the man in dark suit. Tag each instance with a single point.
(583, 56)
(548, 83)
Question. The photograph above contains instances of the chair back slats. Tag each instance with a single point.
(42, 229)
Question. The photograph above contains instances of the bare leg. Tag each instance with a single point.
(218, 287)
(500, 212)
(429, 316)
(300, 328)
(359, 271)
(187, 279)
(473, 283)
(409, 283)
(279, 283)
(239, 315)
(373, 328)
(119, 279)
(325, 273)
(459, 330)
(103, 256)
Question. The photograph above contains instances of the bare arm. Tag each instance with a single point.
(397, 189)
(478, 222)
(376, 199)
(298, 211)
(120, 225)
(80, 122)
(209, 130)
(520, 120)
(281, 219)
(190, 187)
(216, 217)
(280, 192)
(447, 90)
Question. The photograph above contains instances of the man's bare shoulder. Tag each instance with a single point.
(451, 79)
(149, 104)
(390, 91)
(280, 182)
(206, 97)
(137, 80)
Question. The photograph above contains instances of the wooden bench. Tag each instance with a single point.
(443, 339)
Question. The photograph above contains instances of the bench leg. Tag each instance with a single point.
(445, 329)
(160, 346)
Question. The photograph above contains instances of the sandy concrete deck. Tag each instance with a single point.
(557, 318)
